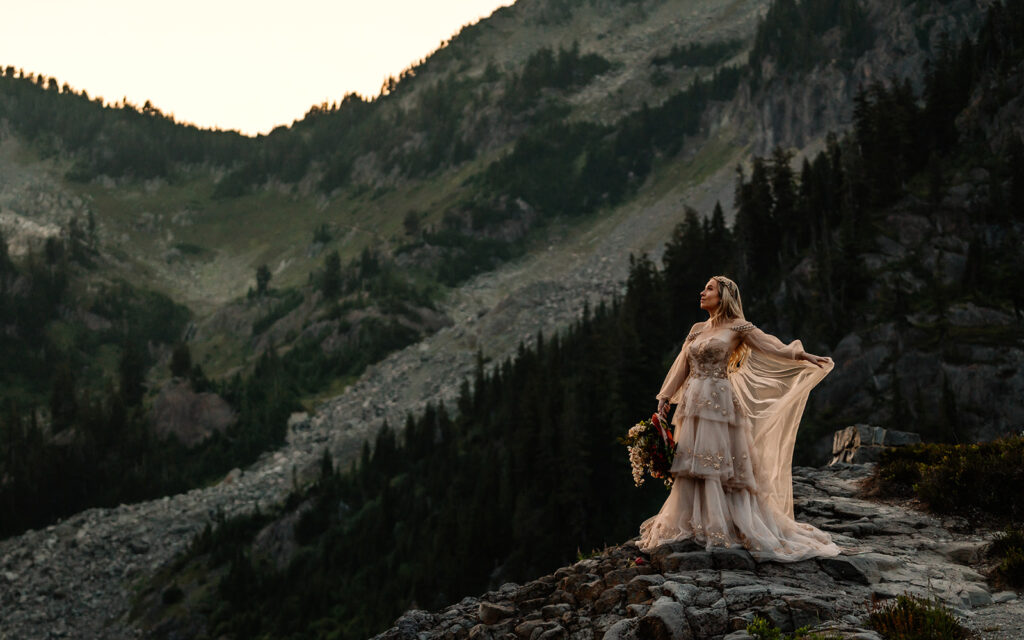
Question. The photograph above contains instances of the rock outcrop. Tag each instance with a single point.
(863, 443)
(189, 416)
(683, 591)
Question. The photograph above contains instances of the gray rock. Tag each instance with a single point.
(737, 559)
(808, 611)
(555, 610)
(684, 594)
(638, 589)
(528, 628)
(533, 589)
(687, 561)
(708, 597)
(708, 621)
(589, 591)
(480, 632)
(637, 610)
(491, 613)
(851, 569)
(777, 616)
(864, 443)
(1004, 596)
(744, 597)
(610, 598)
(554, 632)
(976, 595)
(666, 620)
(963, 552)
(620, 576)
(622, 630)
(738, 578)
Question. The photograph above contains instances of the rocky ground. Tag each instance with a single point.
(684, 591)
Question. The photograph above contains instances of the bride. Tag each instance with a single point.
(739, 394)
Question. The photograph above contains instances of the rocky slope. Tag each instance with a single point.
(75, 579)
(684, 591)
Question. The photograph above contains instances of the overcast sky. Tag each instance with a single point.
(248, 65)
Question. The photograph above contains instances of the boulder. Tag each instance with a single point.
(686, 561)
(864, 443)
(666, 620)
(852, 569)
(491, 613)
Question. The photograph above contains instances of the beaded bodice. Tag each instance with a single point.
(709, 359)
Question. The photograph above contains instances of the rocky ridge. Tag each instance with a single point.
(683, 591)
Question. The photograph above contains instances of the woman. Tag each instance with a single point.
(739, 394)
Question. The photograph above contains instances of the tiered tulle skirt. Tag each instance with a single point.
(714, 498)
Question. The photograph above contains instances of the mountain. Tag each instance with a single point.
(500, 203)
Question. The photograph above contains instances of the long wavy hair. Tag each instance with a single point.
(730, 306)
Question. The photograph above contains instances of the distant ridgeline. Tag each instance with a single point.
(503, 490)
(556, 166)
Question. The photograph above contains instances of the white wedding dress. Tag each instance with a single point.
(735, 428)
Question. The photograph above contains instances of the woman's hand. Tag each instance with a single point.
(663, 409)
(817, 361)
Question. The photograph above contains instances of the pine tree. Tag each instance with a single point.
(263, 276)
(330, 284)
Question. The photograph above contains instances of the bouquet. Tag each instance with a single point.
(651, 449)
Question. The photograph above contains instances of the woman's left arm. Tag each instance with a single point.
(767, 343)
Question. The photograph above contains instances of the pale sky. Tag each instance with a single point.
(248, 65)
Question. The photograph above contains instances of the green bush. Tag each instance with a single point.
(1008, 548)
(290, 299)
(967, 479)
(762, 629)
(912, 618)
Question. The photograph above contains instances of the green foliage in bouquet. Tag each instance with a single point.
(651, 450)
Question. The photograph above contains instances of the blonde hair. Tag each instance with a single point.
(730, 306)
(729, 303)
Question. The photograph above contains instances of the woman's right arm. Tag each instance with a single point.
(676, 374)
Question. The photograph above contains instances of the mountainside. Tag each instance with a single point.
(519, 173)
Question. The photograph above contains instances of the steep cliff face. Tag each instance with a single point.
(956, 371)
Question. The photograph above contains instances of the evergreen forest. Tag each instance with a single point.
(525, 472)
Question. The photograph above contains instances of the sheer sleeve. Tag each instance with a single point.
(772, 387)
(678, 372)
(676, 375)
(766, 343)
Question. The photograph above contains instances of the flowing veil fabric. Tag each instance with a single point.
(772, 391)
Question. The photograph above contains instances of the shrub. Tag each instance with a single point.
(287, 303)
(966, 479)
(1008, 547)
(912, 618)
(762, 629)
